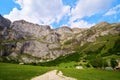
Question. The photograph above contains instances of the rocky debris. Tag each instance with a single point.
(79, 67)
(53, 75)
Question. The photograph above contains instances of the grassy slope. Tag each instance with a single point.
(102, 46)
(26, 72)
(90, 51)
(62, 59)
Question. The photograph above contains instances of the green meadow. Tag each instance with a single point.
(26, 72)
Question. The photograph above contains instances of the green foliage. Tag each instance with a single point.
(62, 59)
(68, 65)
(113, 63)
(9, 60)
(69, 41)
(116, 48)
(98, 62)
(58, 48)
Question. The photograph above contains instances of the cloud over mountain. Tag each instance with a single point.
(39, 11)
(49, 12)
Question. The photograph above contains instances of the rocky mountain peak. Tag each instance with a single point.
(4, 23)
(25, 23)
(64, 29)
(78, 30)
(27, 29)
(101, 24)
(64, 32)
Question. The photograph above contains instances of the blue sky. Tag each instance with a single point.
(57, 13)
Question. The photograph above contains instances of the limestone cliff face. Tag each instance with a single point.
(4, 23)
(27, 42)
(22, 29)
(100, 29)
(64, 32)
(4, 26)
(33, 40)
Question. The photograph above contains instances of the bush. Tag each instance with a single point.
(98, 62)
(113, 63)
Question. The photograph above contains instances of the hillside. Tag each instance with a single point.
(25, 42)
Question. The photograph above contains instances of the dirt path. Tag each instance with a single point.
(53, 75)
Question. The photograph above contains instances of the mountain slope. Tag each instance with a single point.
(32, 43)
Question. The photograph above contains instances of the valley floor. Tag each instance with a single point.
(28, 72)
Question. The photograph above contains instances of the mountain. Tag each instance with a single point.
(22, 41)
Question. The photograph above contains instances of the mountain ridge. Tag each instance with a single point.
(32, 43)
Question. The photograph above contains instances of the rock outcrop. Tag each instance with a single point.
(22, 29)
(4, 23)
(4, 26)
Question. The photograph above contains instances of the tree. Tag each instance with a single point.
(113, 63)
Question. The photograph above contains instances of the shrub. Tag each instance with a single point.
(113, 63)
(98, 62)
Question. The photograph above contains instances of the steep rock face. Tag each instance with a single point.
(78, 30)
(64, 32)
(4, 23)
(22, 29)
(4, 26)
(35, 48)
(38, 49)
(52, 38)
(98, 30)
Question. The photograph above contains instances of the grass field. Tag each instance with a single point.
(20, 72)
(91, 74)
(26, 72)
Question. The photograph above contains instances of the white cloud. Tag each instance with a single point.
(114, 10)
(39, 11)
(88, 8)
(52, 11)
(80, 24)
